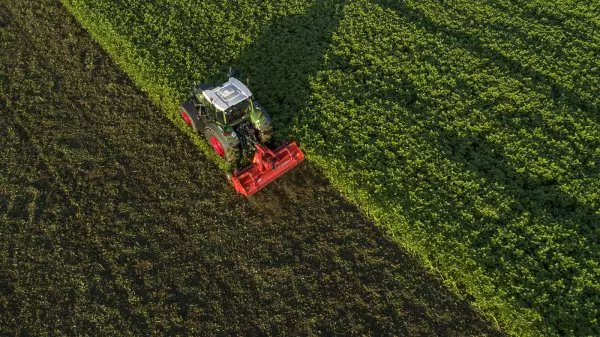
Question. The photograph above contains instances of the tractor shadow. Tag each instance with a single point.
(277, 68)
(281, 61)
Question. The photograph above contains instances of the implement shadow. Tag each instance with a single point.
(279, 64)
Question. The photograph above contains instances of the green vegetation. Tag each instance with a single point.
(113, 223)
(470, 129)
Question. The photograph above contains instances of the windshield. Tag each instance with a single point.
(237, 111)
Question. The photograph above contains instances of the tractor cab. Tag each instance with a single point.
(231, 101)
(238, 113)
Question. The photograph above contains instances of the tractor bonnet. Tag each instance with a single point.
(228, 94)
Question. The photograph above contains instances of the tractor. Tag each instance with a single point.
(234, 124)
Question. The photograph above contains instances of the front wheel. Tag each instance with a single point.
(265, 134)
(187, 118)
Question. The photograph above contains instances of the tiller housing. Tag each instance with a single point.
(266, 166)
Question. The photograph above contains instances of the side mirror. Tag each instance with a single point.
(233, 72)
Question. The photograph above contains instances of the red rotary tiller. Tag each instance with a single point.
(266, 166)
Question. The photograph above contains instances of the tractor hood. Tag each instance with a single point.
(228, 94)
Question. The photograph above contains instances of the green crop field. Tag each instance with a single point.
(469, 129)
(113, 223)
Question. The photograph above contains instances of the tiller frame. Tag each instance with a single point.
(267, 165)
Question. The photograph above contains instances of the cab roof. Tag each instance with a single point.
(228, 94)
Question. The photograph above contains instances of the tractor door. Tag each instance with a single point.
(208, 111)
(202, 111)
(220, 116)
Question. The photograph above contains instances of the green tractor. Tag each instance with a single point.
(234, 124)
(228, 116)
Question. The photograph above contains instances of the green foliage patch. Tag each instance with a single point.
(469, 129)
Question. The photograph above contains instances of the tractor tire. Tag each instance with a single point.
(231, 153)
(188, 112)
(266, 133)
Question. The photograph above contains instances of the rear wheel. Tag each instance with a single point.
(221, 148)
(187, 111)
(266, 134)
